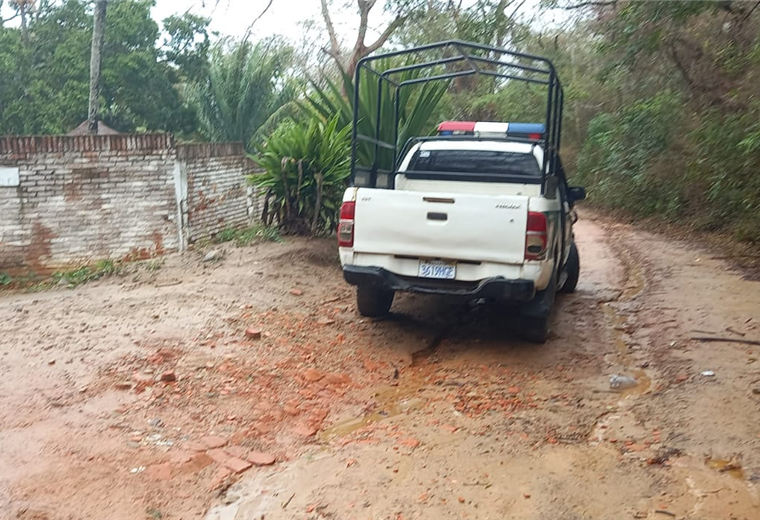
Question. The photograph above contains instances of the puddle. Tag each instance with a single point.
(726, 466)
(634, 283)
(392, 401)
(622, 352)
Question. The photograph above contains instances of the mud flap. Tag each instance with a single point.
(541, 305)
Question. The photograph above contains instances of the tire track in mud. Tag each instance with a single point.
(694, 473)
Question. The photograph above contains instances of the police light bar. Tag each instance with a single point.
(532, 131)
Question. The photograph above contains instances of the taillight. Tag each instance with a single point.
(346, 225)
(535, 236)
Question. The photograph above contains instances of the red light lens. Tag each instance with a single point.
(535, 137)
(347, 211)
(535, 236)
(457, 126)
(346, 225)
(536, 222)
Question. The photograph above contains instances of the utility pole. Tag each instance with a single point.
(98, 33)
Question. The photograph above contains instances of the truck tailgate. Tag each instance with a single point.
(480, 228)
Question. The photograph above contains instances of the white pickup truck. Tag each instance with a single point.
(470, 212)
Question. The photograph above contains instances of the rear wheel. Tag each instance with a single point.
(373, 302)
(536, 316)
(572, 270)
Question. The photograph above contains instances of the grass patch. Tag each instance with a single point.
(247, 236)
(19, 282)
(226, 235)
(156, 264)
(87, 273)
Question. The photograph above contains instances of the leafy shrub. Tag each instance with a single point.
(654, 158)
(623, 155)
(306, 170)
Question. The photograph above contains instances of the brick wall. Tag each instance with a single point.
(67, 201)
(216, 187)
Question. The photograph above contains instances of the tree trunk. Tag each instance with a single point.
(361, 47)
(98, 34)
(318, 204)
(24, 23)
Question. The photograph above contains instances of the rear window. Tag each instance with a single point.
(476, 162)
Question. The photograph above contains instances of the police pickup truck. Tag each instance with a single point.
(480, 210)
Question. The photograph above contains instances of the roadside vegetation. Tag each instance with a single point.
(67, 278)
(661, 116)
(248, 235)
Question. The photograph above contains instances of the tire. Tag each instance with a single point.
(535, 325)
(373, 302)
(572, 269)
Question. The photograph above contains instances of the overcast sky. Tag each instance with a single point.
(285, 17)
(233, 17)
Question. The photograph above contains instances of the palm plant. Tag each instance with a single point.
(244, 89)
(416, 108)
(305, 173)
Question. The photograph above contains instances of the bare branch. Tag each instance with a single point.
(249, 31)
(332, 55)
(395, 24)
(590, 4)
(749, 13)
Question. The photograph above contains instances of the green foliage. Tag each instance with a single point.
(44, 85)
(724, 169)
(248, 235)
(416, 108)
(84, 274)
(226, 235)
(675, 133)
(187, 46)
(155, 264)
(256, 234)
(306, 169)
(18, 282)
(244, 89)
(621, 151)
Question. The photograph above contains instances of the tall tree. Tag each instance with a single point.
(98, 33)
(44, 86)
(187, 46)
(400, 10)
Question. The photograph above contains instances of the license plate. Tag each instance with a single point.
(439, 270)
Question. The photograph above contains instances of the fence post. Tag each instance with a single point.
(180, 191)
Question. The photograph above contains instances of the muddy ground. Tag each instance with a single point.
(249, 389)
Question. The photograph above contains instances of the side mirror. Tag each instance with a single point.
(576, 194)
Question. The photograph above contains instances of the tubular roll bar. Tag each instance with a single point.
(522, 67)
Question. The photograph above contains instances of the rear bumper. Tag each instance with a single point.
(495, 288)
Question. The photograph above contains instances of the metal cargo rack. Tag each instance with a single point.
(478, 60)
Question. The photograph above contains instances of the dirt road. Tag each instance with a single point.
(151, 395)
